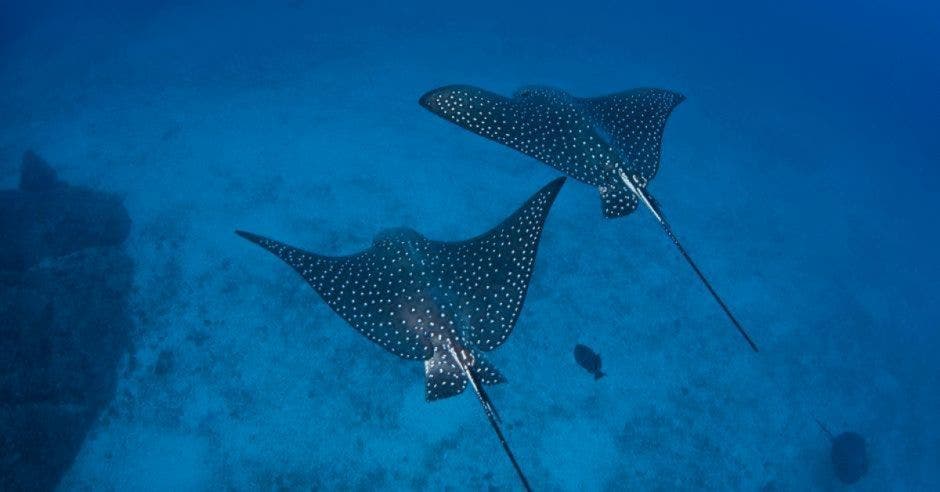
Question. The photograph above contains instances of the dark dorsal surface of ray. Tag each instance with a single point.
(589, 139)
(612, 142)
(440, 302)
(406, 291)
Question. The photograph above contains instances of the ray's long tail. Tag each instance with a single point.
(494, 419)
(657, 213)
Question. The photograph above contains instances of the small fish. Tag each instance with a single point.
(848, 454)
(588, 359)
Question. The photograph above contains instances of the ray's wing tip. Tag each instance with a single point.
(675, 98)
(427, 99)
(554, 186)
(679, 97)
(254, 238)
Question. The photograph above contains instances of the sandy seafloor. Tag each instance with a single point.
(800, 173)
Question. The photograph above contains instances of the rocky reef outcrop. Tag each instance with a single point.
(64, 322)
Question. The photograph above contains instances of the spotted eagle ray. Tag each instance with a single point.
(440, 302)
(612, 142)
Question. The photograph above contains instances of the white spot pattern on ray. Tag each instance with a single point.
(415, 297)
(636, 120)
(587, 139)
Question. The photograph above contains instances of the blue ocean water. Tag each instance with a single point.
(801, 173)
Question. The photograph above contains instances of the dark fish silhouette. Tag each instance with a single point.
(612, 142)
(589, 360)
(444, 303)
(849, 455)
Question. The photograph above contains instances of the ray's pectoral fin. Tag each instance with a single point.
(633, 122)
(345, 283)
(444, 378)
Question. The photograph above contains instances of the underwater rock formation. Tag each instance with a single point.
(46, 218)
(64, 282)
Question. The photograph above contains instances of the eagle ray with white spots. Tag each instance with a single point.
(441, 302)
(612, 142)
